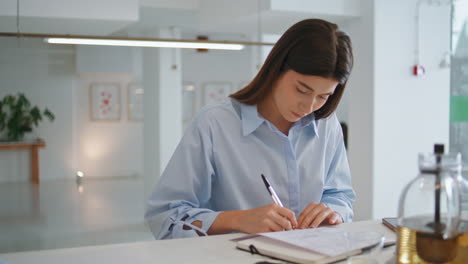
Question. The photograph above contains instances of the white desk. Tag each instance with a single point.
(203, 250)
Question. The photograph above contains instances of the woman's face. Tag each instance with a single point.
(297, 95)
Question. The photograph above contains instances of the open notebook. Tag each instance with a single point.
(316, 246)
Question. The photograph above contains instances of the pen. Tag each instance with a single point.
(272, 192)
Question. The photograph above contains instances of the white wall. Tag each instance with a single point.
(394, 115)
(92, 59)
(411, 114)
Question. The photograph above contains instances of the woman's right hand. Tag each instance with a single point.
(267, 218)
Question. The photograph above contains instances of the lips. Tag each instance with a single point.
(296, 115)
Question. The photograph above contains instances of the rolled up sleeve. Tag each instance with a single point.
(184, 188)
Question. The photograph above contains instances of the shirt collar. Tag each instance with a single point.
(251, 120)
(309, 120)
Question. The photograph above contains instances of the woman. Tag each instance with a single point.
(281, 125)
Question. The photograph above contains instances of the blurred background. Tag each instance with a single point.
(120, 111)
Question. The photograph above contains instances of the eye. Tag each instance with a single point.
(323, 97)
(300, 91)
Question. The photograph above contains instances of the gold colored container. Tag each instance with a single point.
(407, 253)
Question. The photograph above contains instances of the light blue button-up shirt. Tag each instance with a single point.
(217, 167)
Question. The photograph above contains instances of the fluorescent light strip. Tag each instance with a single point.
(145, 43)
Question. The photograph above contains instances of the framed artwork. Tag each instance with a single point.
(105, 101)
(215, 92)
(135, 94)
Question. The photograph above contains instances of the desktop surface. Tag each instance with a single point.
(211, 249)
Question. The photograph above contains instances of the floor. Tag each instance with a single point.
(63, 213)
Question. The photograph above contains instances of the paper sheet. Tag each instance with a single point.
(327, 241)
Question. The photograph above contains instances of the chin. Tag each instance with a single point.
(293, 119)
(290, 117)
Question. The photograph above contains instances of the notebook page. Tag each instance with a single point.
(327, 241)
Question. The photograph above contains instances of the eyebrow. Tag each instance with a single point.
(310, 88)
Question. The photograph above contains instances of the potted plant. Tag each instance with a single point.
(17, 116)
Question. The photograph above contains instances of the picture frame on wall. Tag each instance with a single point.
(104, 101)
(135, 93)
(215, 92)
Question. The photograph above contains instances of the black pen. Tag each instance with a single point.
(272, 192)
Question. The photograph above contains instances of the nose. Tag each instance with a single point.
(307, 106)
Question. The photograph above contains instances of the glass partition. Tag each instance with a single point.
(91, 157)
(459, 80)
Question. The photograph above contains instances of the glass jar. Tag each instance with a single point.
(462, 242)
(429, 211)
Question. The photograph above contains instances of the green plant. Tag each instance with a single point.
(17, 116)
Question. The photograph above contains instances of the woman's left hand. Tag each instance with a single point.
(315, 214)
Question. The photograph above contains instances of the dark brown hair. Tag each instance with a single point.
(311, 47)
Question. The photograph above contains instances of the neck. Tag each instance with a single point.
(268, 109)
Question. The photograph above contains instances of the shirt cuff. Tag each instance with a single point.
(345, 213)
(206, 218)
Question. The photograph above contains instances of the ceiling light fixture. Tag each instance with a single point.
(138, 42)
(145, 43)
